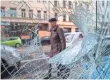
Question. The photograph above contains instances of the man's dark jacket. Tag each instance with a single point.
(57, 40)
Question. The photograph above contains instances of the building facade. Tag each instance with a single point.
(18, 15)
(61, 9)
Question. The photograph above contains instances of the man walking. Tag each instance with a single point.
(58, 43)
(57, 38)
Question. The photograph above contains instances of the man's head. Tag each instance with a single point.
(53, 22)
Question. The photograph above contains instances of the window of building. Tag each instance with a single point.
(55, 3)
(44, 1)
(45, 15)
(56, 15)
(12, 12)
(64, 4)
(69, 18)
(38, 0)
(30, 13)
(23, 13)
(39, 14)
(17, 28)
(2, 11)
(64, 17)
(69, 4)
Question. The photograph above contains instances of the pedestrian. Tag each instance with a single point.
(58, 42)
(57, 39)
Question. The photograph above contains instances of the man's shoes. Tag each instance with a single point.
(48, 77)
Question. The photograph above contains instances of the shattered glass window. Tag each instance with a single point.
(87, 58)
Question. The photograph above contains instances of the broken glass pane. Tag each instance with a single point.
(88, 58)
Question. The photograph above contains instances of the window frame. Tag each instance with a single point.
(56, 15)
(23, 13)
(30, 13)
(39, 14)
(64, 18)
(3, 12)
(12, 11)
(45, 15)
(64, 4)
(55, 3)
(69, 4)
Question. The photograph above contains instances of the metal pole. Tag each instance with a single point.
(96, 14)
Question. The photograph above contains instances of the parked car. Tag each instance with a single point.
(12, 41)
(10, 60)
(72, 37)
(45, 40)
